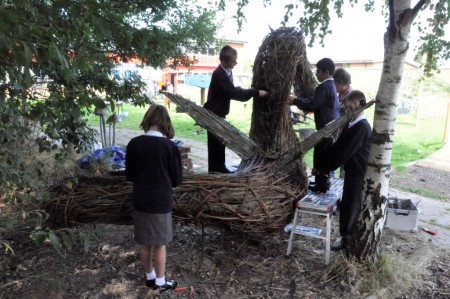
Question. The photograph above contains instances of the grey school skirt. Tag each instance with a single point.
(152, 229)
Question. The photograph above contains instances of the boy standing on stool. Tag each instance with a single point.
(220, 93)
(325, 106)
(351, 150)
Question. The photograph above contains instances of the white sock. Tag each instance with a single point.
(151, 275)
(160, 281)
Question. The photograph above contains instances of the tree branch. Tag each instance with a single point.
(392, 27)
(234, 139)
(308, 143)
(417, 8)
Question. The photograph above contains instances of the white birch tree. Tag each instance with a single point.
(402, 16)
(370, 226)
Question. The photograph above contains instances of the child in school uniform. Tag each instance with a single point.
(220, 93)
(153, 164)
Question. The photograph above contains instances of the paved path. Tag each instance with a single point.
(437, 160)
(433, 214)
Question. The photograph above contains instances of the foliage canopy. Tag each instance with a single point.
(68, 49)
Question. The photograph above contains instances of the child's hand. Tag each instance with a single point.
(263, 93)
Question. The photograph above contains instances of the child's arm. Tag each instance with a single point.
(313, 103)
(176, 168)
(129, 165)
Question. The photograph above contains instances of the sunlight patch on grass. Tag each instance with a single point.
(415, 140)
(423, 192)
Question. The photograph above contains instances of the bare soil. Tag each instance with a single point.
(221, 264)
(423, 180)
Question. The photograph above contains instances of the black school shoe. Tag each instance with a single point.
(150, 283)
(169, 285)
(320, 188)
(338, 246)
(321, 184)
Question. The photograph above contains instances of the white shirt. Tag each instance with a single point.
(359, 118)
(154, 133)
(229, 73)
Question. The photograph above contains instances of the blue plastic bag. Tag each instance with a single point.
(112, 155)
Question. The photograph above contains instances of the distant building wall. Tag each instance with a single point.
(206, 64)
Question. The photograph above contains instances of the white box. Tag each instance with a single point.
(401, 214)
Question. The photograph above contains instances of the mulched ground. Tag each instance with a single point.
(222, 264)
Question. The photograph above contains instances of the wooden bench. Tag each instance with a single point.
(321, 204)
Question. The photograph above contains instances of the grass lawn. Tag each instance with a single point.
(412, 140)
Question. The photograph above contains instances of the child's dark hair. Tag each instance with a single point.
(356, 95)
(326, 64)
(227, 52)
(341, 76)
(157, 115)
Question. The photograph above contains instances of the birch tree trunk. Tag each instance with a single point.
(376, 186)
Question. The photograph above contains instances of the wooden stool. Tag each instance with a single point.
(321, 204)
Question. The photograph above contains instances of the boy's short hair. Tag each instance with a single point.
(356, 95)
(341, 76)
(227, 52)
(326, 64)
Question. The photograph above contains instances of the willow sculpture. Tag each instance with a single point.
(259, 196)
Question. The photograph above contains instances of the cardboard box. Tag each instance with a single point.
(402, 214)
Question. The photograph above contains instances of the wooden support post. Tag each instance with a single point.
(202, 96)
(447, 126)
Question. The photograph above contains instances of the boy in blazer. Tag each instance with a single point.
(220, 93)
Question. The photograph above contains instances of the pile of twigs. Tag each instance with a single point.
(90, 200)
(252, 203)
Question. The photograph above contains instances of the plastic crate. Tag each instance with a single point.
(402, 214)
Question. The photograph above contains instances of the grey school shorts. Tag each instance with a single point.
(152, 229)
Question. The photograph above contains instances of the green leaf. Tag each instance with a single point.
(45, 197)
(41, 217)
(38, 237)
(67, 240)
(101, 28)
(27, 53)
(86, 241)
(54, 240)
